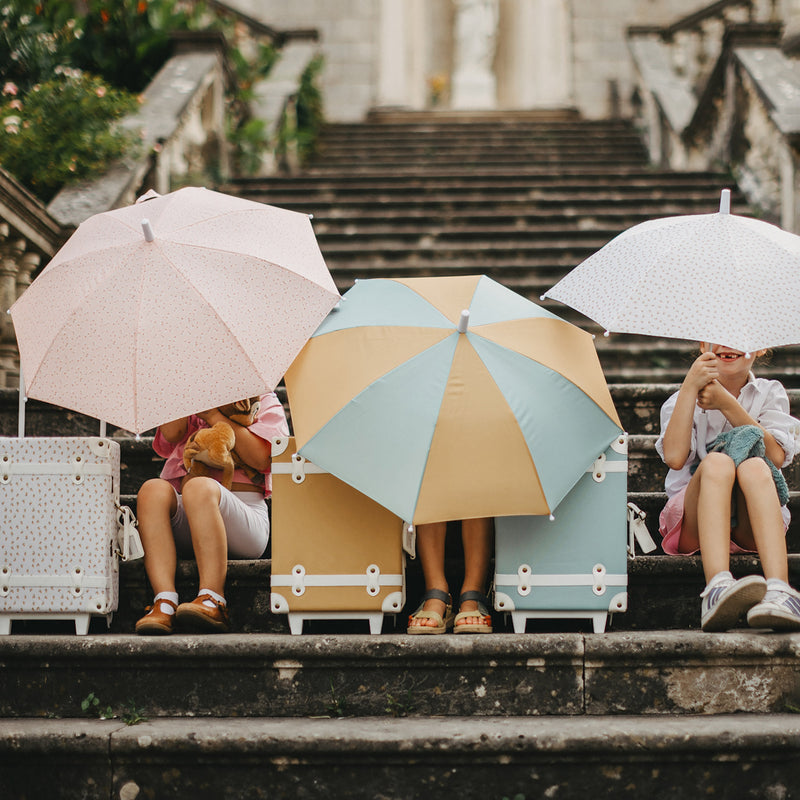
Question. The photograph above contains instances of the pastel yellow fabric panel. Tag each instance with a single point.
(450, 295)
(372, 352)
(456, 483)
(562, 347)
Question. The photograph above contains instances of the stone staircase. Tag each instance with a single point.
(651, 707)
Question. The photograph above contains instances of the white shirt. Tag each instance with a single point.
(764, 400)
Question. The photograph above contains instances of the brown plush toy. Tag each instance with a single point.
(213, 447)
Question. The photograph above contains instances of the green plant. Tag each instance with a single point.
(338, 705)
(63, 130)
(309, 111)
(399, 708)
(91, 705)
(302, 128)
(133, 715)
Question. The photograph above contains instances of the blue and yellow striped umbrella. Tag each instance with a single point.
(450, 398)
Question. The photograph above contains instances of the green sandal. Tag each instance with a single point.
(442, 624)
(485, 624)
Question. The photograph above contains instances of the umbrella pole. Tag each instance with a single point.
(21, 414)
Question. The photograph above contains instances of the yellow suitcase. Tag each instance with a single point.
(336, 554)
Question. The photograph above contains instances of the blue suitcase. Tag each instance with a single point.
(574, 565)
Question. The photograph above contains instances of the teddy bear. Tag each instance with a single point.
(213, 447)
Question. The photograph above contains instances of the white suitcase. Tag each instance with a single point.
(62, 529)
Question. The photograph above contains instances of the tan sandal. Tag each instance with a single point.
(443, 624)
(485, 624)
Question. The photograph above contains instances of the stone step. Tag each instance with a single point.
(727, 757)
(663, 593)
(316, 675)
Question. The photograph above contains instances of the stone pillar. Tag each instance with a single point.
(402, 54)
(16, 268)
(534, 58)
(474, 81)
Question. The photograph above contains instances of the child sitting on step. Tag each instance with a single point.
(436, 614)
(182, 515)
(724, 436)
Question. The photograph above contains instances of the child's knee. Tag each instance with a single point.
(718, 466)
(200, 490)
(154, 492)
(754, 471)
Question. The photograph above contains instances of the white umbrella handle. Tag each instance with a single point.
(21, 414)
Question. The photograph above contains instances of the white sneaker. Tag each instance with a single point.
(725, 602)
(779, 609)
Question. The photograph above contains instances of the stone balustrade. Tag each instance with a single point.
(722, 87)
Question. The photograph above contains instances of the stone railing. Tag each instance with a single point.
(721, 89)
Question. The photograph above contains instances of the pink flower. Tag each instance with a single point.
(10, 88)
(100, 91)
(16, 105)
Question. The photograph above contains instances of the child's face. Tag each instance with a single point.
(730, 361)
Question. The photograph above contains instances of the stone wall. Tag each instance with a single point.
(549, 52)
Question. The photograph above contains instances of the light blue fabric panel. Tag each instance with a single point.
(565, 430)
(380, 301)
(378, 443)
(493, 302)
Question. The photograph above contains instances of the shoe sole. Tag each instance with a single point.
(153, 629)
(773, 619)
(728, 611)
(195, 620)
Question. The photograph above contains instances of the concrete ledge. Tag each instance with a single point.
(544, 674)
(727, 757)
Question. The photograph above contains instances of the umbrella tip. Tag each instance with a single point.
(464, 321)
(552, 518)
(725, 201)
(606, 334)
(148, 230)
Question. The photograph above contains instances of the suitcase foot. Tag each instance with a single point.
(520, 618)
(296, 620)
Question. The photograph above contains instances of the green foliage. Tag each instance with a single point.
(91, 705)
(309, 111)
(32, 46)
(302, 129)
(63, 130)
(128, 41)
(132, 715)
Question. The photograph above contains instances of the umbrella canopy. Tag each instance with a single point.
(719, 278)
(172, 306)
(450, 398)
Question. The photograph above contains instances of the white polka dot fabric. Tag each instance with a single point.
(138, 333)
(58, 526)
(718, 278)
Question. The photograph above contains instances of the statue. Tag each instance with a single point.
(474, 83)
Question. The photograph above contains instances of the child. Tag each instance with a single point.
(184, 515)
(722, 500)
(435, 613)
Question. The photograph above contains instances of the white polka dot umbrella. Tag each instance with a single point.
(173, 305)
(719, 278)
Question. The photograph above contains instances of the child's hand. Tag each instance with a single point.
(702, 372)
(714, 396)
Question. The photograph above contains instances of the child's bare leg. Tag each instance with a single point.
(430, 547)
(707, 513)
(155, 505)
(476, 535)
(201, 498)
(761, 525)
